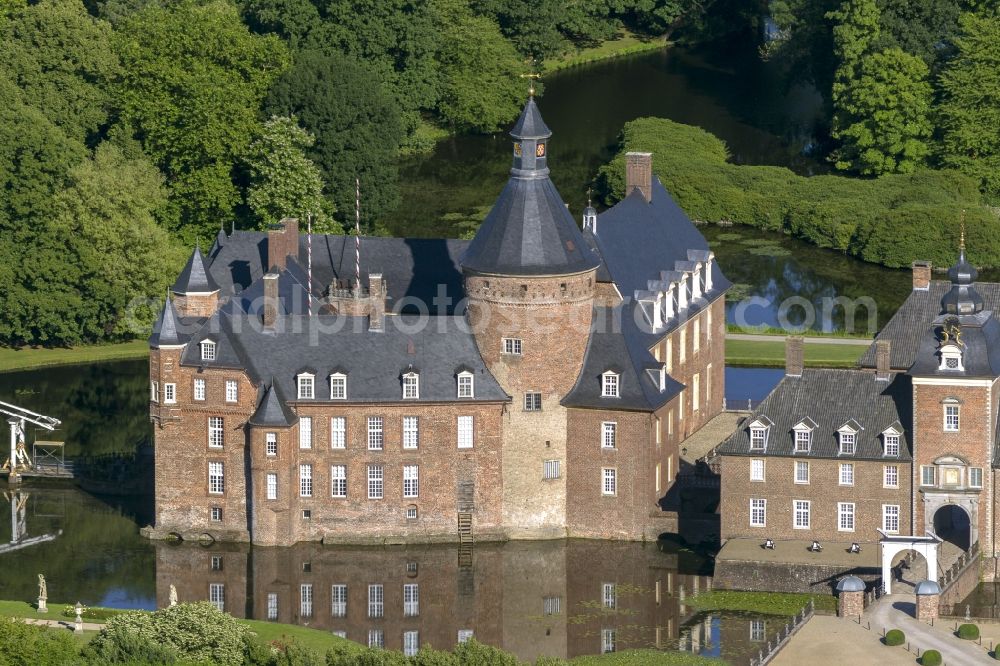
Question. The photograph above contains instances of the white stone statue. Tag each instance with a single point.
(173, 595)
(43, 594)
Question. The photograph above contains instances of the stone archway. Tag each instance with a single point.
(954, 525)
(892, 545)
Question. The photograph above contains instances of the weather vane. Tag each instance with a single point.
(961, 232)
(531, 82)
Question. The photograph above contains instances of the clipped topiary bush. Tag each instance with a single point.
(969, 632)
(894, 637)
(931, 658)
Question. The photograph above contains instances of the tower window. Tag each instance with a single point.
(207, 350)
(466, 385)
(609, 385)
(951, 418)
(411, 386)
(512, 346)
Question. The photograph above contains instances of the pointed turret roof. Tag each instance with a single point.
(195, 277)
(962, 298)
(529, 231)
(165, 331)
(272, 410)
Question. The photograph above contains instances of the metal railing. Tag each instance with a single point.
(766, 654)
(950, 575)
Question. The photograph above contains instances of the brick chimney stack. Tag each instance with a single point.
(639, 173)
(794, 356)
(282, 242)
(270, 300)
(882, 358)
(921, 275)
(376, 292)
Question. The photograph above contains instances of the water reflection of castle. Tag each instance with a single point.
(558, 598)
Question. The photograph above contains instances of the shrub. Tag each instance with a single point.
(26, 644)
(969, 632)
(894, 637)
(931, 658)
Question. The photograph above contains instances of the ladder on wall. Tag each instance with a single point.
(465, 527)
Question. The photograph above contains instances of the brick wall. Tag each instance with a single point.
(196, 305)
(785, 577)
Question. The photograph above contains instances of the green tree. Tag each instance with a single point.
(292, 19)
(883, 115)
(855, 30)
(192, 82)
(284, 182)
(969, 111)
(61, 59)
(480, 69)
(922, 28)
(356, 125)
(533, 27)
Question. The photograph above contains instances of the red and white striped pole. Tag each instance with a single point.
(357, 233)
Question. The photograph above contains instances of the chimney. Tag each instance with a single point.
(921, 275)
(270, 300)
(639, 173)
(882, 355)
(376, 292)
(282, 242)
(794, 356)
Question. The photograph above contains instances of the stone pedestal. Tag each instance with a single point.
(851, 604)
(42, 607)
(927, 607)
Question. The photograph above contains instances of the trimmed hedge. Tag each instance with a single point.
(931, 658)
(890, 220)
(969, 632)
(894, 637)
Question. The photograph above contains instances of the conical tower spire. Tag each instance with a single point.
(165, 331)
(195, 278)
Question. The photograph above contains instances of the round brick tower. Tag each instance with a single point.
(529, 279)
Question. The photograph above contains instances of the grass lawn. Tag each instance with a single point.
(768, 354)
(808, 333)
(314, 639)
(36, 357)
(768, 603)
(625, 44)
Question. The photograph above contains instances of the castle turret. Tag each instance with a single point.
(196, 290)
(530, 279)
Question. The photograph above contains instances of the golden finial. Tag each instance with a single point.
(961, 233)
(531, 82)
(588, 197)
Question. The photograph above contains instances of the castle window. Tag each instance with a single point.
(376, 478)
(890, 477)
(976, 477)
(411, 481)
(169, 394)
(411, 432)
(890, 443)
(216, 563)
(207, 350)
(338, 386)
(215, 430)
(154, 391)
(375, 439)
(607, 641)
(272, 486)
(758, 512)
(305, 432)
(512, 346)
(338, 596)
(890, 518)
(411, 386)
(845, 516)
(801, 471)
(338, 480)
(411, 643)
(199, 389)
(951, 358)
(272, 606)
(217, 596)
(465, 635)
(411, 512)
(847, 442)
(758, 439)
(215, 514)
(466, 385)
(232, 390)
(411, 600)
(376, 599)
(696, 338)
(609, 436)
(847, 474)
(376, 638)
(610, 483)
(609, 595)
(306, 600)
(305, 480)
(550, 469)
(307, 386)
(683, 344)
(216, 478)
(803, 438)
(609, 384)
(951, 418)
(338, 432)
(928, 475)
(532, 402)
(271, 443)
(802, 510)
(757, 469)
(465, 428)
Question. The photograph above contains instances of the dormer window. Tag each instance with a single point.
(803, 435)
(207, 350)
(306, 383)
(338, 386)
(848, 442)
(466, 385)
(610, 384)
(758, 439)
(890, 443)
(951, 357)
(411, 386)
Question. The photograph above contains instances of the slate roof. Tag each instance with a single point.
(195, 278)
(165, 330)
(273, 410)
(980, 348)
(529, 124)
(831, 398)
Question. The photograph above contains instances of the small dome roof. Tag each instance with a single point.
(927, 587)
(851, 584)
(589, 211)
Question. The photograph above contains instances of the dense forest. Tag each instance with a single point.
(133, 129)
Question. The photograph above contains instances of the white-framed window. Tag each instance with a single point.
(216, 427)
(801, 471)
(551, 605)
(801, 511)
(758, 512)
(338, 432)
(307, 386)
(847, 474)
(215, 513)
(272, 606)
(512, 346)
(682, 352)
(847, 442)
(951, 418)
(609, 385)
(411, 643)
(411, 512)
(695, 392)
(466, 385)
(169, 394)
(976, 477)
(216, 478)
(465, 635)
(411, 386)
(338, 386)
(216, 563)
(803, 441)
(708, 319)
(928, 475)
(411, 481)
(305, 480)
(217, 595)
(306, 599)
(758, 630)
(338, 480)
(757, 469)
(376, 601)
(375, 434)
(272, 486)
(465, 432)
(890, 443)
(890, 477)
(305, 432)
(411, 600)
(550, 469)
(232, 390)
(338, 600)
(758, 439)
(376, 480)
(609, 434)
(696, 339)
(890, 518)
(271, 443)
(532, 402)
(845, 516)
(376, 638)
(411, 432)
(610, 481)
(607, 641)
(609, 595)
(207, 350)
(199, 389)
